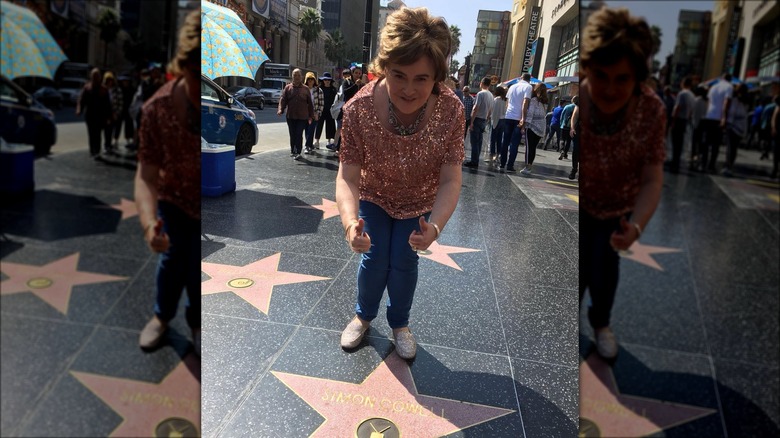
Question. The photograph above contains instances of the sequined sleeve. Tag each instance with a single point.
(351, 151)
(455, 147)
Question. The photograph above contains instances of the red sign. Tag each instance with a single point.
(550, 73)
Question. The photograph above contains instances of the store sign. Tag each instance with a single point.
(559, 7)
(728, 61)
(533, 30)
(550, 73)
(536, 56)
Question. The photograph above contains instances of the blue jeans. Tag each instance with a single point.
(477, 133)
(179, 267)
(512, 136)
(390, 263)
(296, 127)
(310, 128)
(496, 137)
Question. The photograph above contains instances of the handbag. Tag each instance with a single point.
(335, 109)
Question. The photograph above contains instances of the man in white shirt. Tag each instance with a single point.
(518, 99)
(479, 116)
(714, 122)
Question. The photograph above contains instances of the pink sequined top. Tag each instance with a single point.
(166, 142)
(611, 165)
(401, 173)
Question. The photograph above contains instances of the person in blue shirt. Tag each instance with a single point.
(755, 123)
(566, 127)
(555, 126)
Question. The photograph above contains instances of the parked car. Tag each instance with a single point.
(272, 88)
(225, 120)
(25, 120)
(70, 88)
(250, 97)
(49, 97)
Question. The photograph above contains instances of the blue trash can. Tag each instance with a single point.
(17, 164)
(218, 170)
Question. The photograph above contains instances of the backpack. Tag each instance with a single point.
(335, 109)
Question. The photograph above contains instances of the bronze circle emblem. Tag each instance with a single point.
(377, 428)
(175, 428)
(39, 283)
(241, 283)
(588, 429)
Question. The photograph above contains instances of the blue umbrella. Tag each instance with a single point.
(534, 81)
(227, 47)
(27, 47)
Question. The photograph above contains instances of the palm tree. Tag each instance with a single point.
(335, 47)
(455, 35)
(311, 26)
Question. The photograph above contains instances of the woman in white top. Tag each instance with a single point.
(534, 124)
(736, 126)
(497, 113)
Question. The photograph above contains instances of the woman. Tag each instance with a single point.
(96, 104)
(699, 110)
(167, 186)
(296, 100)
(351, 85)
(534, 125)
(318, 101)
(392, 206)
(117, 103)
(326, 120)
(623, 124)
(736, 126)
(497, 114)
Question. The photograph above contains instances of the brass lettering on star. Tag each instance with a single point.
(39, 283)
(146, 398)
(381, 405)
(241, 283)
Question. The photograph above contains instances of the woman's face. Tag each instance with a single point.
(326, 82)
(409, 86)
(611, 87)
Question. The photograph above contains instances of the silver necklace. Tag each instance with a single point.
(395, 122)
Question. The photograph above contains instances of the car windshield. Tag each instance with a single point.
(276, 85)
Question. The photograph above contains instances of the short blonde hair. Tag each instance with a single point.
(411, 33)
(188, 50)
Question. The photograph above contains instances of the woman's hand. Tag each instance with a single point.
(157, 240)
(421, 240)
(622, 239)
(359, 241)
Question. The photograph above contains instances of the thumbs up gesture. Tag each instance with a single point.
(158, 240)
(421, 240)
(623, 238)
(359, 241)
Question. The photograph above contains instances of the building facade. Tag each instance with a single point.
(761, 33)
(690, 50)
(490, 40)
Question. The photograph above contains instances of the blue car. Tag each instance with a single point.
(224, 120)
(24, 120)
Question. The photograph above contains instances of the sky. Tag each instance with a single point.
(663, 14)
(462, 13)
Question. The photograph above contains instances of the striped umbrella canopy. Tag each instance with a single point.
(534, 81)
(28, 49)
(227, 47)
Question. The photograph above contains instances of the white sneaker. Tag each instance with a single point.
(526, 171)
(606, 344)
(353, 334)
(405, 345)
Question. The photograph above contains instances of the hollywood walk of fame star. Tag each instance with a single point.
(144, 406)
(53, 283)
(388, 392)
(441, 254)
(126, 206)
(254, 282)
(329, 208)
(643, 254)
(615, 414)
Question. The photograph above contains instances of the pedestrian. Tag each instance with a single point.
(719, 96)
(623, 126)
(534, 125)
(755, 123)
(351, 85)
(575, 133)
(518, 98)
(681, 114)
(114, 121)
(736, 127)
(775, 127)
(391, 206)
(468, 106)
(296, 101)
(479, 116)
(318, 100)
(167, 187)
(326, 119)
(766, 122)
(458, 92)
(566, 127)
(555, 125)
(497, 115)
(697, 139)
(125, 118)
(95, 103)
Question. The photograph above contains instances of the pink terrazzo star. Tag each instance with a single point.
(53, 283)
(329, 208)
(254, 282)
(614, 414)
(147, 409)
(388, 392)
(127, 207)
(643, 254)
(441, 254)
